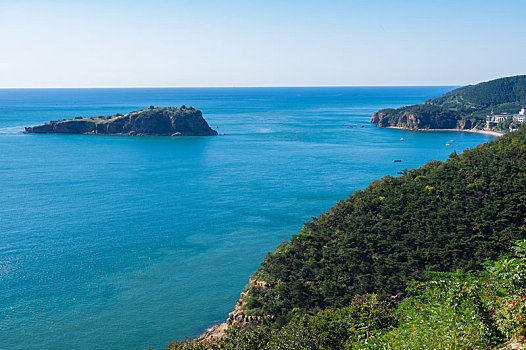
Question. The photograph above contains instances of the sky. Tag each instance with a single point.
(164, 43)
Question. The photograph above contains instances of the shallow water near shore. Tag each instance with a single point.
(129, 242)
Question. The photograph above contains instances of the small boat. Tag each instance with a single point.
(448, 144)
(402, 139)
(360, 126)
(397, 160)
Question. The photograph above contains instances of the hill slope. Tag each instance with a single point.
(441, 217)
(315, 291)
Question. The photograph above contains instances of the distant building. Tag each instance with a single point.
(493, 119)
(520, 117)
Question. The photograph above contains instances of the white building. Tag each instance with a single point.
(494, 119)
(521, 116)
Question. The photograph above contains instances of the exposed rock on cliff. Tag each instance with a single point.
(168, 121)
(238, 316)
(416, 117)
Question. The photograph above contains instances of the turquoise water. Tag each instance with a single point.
(126, 242)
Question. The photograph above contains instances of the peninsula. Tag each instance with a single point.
(466, 108)
(166, 121)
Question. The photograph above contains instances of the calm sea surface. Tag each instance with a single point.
(112, 242)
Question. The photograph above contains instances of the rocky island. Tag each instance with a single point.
(464, 108)
(165, 121)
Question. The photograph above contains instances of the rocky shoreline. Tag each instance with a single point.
(237, 316)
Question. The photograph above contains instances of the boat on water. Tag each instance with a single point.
(448, 144)
(360, 126)
(397, 160)
(402, 139)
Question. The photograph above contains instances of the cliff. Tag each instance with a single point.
(462, 108)
(416, 118)
(167, 121)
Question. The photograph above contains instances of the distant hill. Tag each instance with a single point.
(166, 121)
(462, 108)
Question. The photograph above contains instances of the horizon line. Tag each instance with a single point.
(217, 86)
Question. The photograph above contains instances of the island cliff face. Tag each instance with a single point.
(416, 119)
(167, 121)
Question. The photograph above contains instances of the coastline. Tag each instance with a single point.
(486, 132)
(218, 331)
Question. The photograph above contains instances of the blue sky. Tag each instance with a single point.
(259, 43)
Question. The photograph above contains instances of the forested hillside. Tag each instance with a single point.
(510, 91)
(440, 217)
(343, 275)
(456, 310)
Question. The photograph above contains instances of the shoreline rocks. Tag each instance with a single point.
(238, 316)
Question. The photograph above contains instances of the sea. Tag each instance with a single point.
(120, 242)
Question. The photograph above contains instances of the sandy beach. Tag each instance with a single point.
(487, 132)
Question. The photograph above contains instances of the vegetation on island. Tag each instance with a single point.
(402, 264)
(463, 108)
